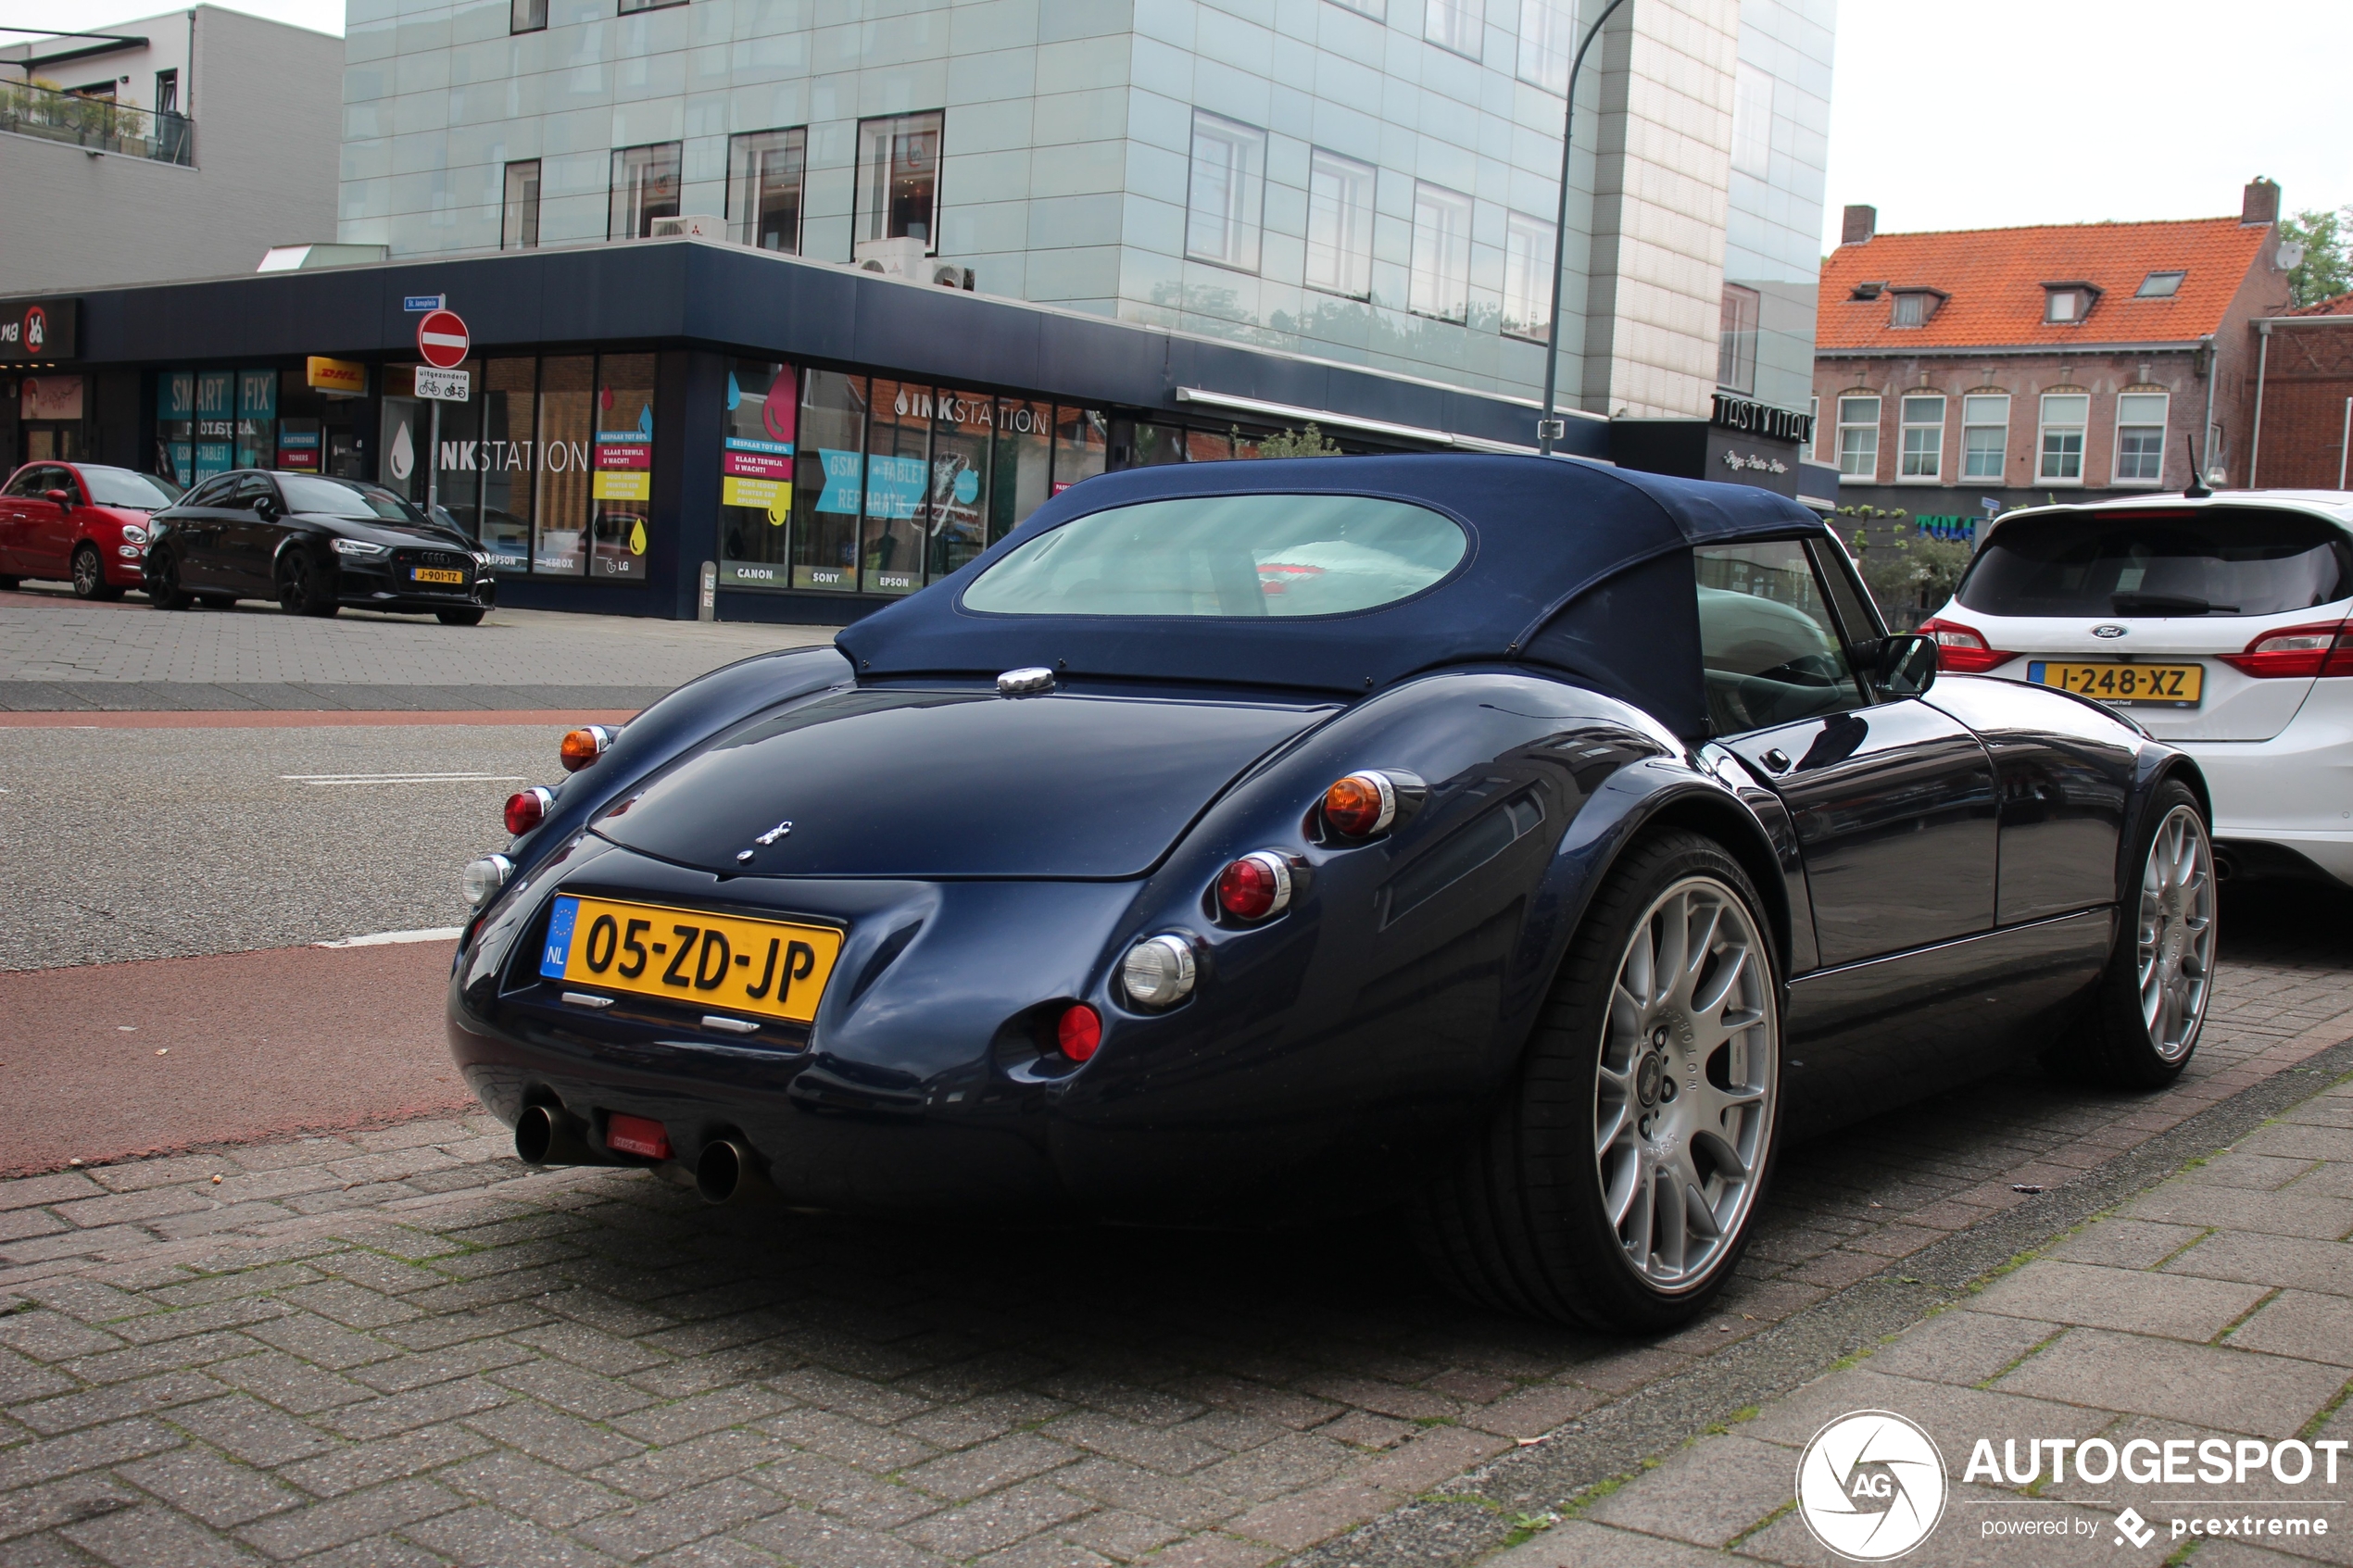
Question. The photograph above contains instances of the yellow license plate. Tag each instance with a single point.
(435, 574)
(2176, 685)
(773, 968)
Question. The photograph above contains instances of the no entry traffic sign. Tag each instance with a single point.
(441, 338)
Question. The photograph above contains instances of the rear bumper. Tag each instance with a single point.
(2295, 790)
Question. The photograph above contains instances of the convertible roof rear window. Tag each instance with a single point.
(2212, 561)
(1245, 557)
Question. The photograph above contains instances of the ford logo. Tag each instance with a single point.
(2109, 631)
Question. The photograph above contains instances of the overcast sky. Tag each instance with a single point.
(1965, 114)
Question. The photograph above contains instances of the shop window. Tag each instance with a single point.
(1736, 339)
(567, 399)
(622, 481)
(257, 438)
(1923, 430)
(2064, 415)
(645, 186)
(1022, 471)
(457, 458)
(519, 228)
(898, 478)
(402, 435)
(1152, 446)
(763, 188)
(898, 178)
(2140, 437)
(1082, 445)
(509, 401)
(963, 444)
(1208, 447)
(1528, 276)
(527, 16)
(176, 426)
(1440, 282)
(1858, 438)
(828, 480)
(1454, 24)
(755, 475)
(1340, 224)
(1224, 195)
(216, 422)
(1547, 41)
(1986, 435)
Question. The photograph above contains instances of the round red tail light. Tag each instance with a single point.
(1078, 1032)
(1255, 886)
(584, 745)
(1361, 805)
(527, 808)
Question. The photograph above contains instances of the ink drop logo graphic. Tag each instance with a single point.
(402, 458)
(1871, 1485)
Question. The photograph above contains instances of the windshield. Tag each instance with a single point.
(2219, 560)
(121, 487)
(1240, 556)
(338, 497)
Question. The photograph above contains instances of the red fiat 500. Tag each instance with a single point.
(83, 523)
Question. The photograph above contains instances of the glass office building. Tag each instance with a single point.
(1367, 181)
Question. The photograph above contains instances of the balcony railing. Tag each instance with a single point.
(97, 125)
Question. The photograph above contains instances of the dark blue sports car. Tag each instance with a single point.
(1524, 844)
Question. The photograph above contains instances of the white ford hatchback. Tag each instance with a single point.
(2218, 623)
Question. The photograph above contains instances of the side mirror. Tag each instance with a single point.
(62, 497)
(1907, 664)
(268, 510)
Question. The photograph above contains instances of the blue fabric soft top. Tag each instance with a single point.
(1544, 535)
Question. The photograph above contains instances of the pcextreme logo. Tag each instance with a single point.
(1871, 1485)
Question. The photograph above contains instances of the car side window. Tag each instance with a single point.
(211, 493)
(21, 486)
(250, 490)
(1769, 645)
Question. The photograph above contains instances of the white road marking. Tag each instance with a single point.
(386, 938)
(321, 781)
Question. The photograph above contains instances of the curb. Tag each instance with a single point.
(1473, 1513)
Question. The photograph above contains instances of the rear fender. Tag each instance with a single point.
(2155, 764)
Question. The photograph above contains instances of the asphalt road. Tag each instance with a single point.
(127, 844)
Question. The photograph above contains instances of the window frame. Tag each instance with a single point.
(870, 224)
(1244, 212)
(2045, 428)
(2002, 451)
(2116, 468)
(1905, 426)
(1753, 95)
(642, 216)
(1736, 343)
(1436, 198)
(1538, 327)
(2178, 276)
(1542, 68)
(1353, 265)
(521, 213)
(741, 182)
(1878, 412)
(636, 7)
(1470, 17)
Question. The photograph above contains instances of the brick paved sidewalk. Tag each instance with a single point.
(400, 1348)
(2217, 1306)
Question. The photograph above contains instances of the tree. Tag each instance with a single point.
(1309, 443)
(2327, 267)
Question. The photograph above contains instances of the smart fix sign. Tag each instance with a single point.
(39, 331)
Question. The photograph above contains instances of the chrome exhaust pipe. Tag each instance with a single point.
(548, 1136)
(729, 1172)
(2226, 865)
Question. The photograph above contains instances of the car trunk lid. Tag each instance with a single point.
(924, 784)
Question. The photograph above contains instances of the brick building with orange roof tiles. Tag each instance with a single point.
(1958, 375)
(2304, 380)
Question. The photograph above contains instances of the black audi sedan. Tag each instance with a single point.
(1525, 846)
(315, 545)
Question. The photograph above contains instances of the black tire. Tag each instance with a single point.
(7, 583)
(303, 587)
(1519, 1220)
(88, 575)
(459, 617)
(163, 582)
(2171, 907)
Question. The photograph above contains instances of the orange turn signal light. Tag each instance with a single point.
(584, 745)
(1361, 805)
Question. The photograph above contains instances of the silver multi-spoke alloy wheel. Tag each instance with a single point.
(1685, 1093)
(2175, 955)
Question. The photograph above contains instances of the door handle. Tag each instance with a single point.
(1777, 760)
